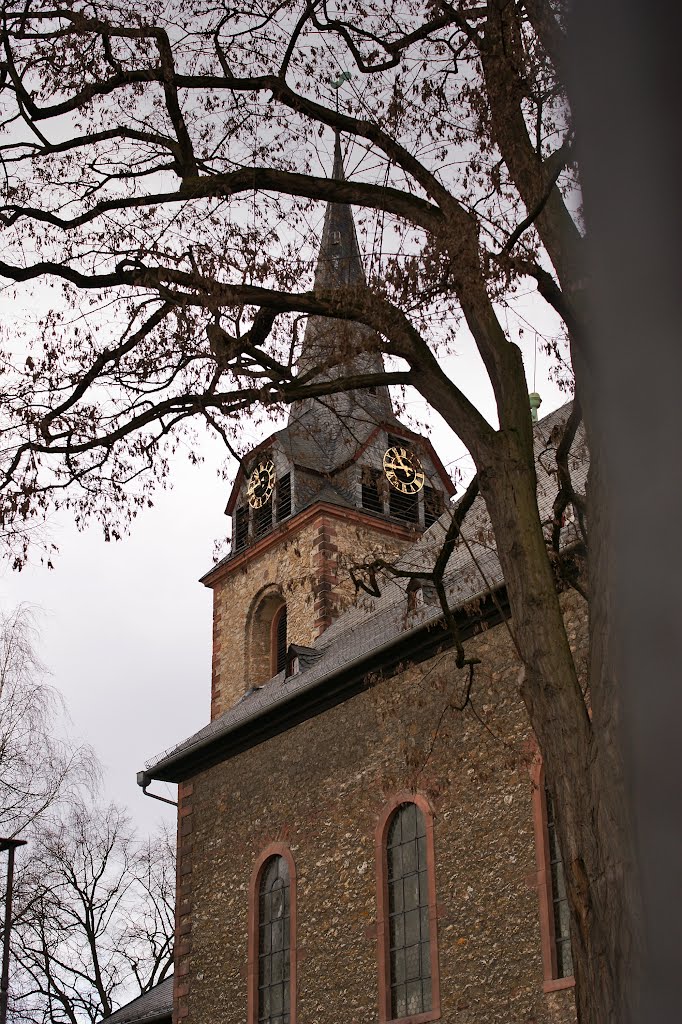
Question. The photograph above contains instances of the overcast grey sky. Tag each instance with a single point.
(126, 627)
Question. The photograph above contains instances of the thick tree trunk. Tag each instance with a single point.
(582, 759)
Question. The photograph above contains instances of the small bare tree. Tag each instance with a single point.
(94, 914)
(38, 769)
(93, 908)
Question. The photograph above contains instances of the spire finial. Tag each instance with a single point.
(535, 403)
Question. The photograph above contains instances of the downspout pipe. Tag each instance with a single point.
(144, 781)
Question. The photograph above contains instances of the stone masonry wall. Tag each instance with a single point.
(308, 564)
(320, 788)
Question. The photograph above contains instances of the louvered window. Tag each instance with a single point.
(241, 528)
(371, 498)
(408, 908)
(284, 497)
(433, 505)
(404, 506)
(274, 944)
(262, 519)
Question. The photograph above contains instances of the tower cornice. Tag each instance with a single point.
(297, 523)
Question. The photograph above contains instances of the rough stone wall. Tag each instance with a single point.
(320, 788)
(308, 564)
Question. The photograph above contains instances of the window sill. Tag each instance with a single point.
(416, 1018)
(557, 984)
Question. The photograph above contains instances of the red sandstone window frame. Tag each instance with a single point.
(273, 850)
(551, 983)
(383, 939)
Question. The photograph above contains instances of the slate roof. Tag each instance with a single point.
(152, 1006)
(376, 624)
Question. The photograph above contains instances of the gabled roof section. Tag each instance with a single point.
(156, 1005)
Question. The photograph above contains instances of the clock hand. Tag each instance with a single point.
(405, 466)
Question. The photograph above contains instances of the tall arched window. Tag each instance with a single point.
(406, 900)
(266, 636)
(272, 929)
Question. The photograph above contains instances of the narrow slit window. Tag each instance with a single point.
(555, 931)
(560, 906)
(279, 640)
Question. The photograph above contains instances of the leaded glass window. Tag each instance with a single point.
(560, 908)
(408, 908)
(274, 943)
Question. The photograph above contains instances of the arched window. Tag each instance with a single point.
(406, 899)
(278, 640)
(272, 929)
(266, 636)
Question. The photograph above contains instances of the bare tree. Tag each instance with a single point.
(93, 908)
(94, 916)
(39, 770)
(153, 156)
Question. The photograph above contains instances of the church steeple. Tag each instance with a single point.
(339, 262)
(345, 451)
(339, 348)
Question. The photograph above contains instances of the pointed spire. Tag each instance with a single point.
(339, 347)
(337, 169)
(339, 261)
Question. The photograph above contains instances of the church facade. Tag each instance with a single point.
(363, 829)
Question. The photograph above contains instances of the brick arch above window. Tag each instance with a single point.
(387, 922)
(264, 860)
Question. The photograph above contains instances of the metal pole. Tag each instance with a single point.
(10, 845)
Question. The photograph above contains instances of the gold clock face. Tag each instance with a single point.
(403, 470)
(261, 484)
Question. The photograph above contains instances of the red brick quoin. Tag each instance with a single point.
(183, 908)
(325, 559)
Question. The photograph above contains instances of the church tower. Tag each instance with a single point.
(342, 481)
